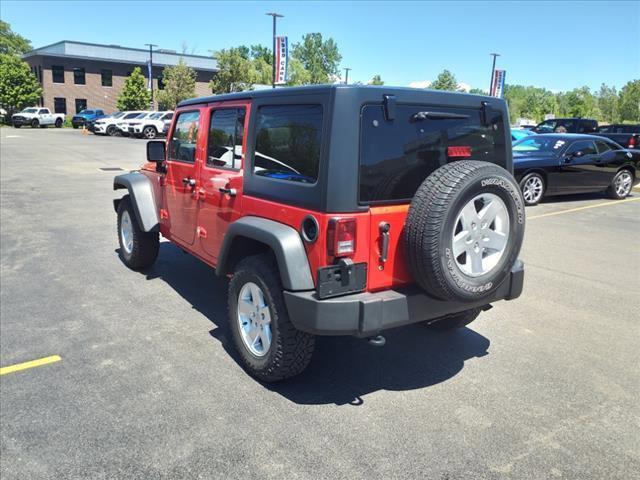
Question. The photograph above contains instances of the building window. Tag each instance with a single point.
(60, 105)
(57, 72)
(81, 104)
(78, 76)
(107, 78)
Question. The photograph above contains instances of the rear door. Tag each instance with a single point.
(180, 198)
(397, 155)
(220, 184)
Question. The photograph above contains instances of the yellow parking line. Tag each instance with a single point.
(26, 365)
(606, 204)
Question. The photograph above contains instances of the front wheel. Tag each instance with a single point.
(269, 346)
(138, 249)
(149, 132)
(112, 131)
(620, 185)
(59, 123)
(532, 186)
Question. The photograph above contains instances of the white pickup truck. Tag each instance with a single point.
(37, 117)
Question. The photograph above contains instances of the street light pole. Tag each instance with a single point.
(493, 70)
(346, 75)
(273, 69)
(151, 45)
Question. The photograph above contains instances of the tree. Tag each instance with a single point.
(376, 80)
(12, 43)
(478, 91)
(298, 75)
(630, 102)
(607, 101)
(320, 58)
(134, 94)
(579, 102)
(179, 84)
(236, 71)
(19, 88)
(445, 81)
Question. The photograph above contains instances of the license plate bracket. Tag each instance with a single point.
(344, 278)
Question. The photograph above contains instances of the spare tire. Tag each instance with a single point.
(464, 230)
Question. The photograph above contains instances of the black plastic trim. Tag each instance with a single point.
(366, 314)
(142, 199)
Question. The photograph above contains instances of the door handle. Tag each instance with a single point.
(228, 191)
(191, 182)
(384, 236)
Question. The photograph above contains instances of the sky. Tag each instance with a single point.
(556, 45)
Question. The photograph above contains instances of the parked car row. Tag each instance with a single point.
(140, 124)
(558, 164)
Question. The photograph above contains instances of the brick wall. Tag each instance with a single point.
(95, 94)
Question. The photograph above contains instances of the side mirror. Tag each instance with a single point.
(156, 151)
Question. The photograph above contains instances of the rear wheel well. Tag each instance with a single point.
(630, 169)
(542, 173)
(243, 247)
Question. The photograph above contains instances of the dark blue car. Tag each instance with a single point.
(86, 116)
(558, 164)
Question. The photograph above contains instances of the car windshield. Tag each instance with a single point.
(520, 134)
(86, 112)
(30, 110)
(539, 143)
(142, 115)
(156, 115)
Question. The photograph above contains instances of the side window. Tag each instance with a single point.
(182, 147)
(586, 147)
(288, 140)
(602, 147)
(43, 111)
(226, 132)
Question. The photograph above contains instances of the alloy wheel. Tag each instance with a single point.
(623, 183)
(480, 234)
(532, 189)
(254, 319)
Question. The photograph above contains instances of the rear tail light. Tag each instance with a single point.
(341, 237)
(459, 152)
(632, 142)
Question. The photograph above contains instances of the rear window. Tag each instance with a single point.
(288, 139)
(396, 156)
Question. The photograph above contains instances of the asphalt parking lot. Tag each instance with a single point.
(547, 386)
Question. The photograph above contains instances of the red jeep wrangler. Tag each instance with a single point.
(334, 210)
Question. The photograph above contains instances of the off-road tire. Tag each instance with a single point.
(611, 189)
(145, 244)
(149, 132)
(59, 123)
(453, 321)
(524, 180)
(35, 123)
(291, 349)
(430, 223)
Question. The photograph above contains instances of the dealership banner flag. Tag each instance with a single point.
(150, 75)
(497, 89)
(282, 61)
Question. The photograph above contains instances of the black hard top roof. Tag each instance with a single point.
(309, 90)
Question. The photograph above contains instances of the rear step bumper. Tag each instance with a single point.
(366, 314)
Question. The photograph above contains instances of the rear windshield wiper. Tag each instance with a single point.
(417, 117)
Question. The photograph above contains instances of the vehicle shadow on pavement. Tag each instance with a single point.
(343, 369)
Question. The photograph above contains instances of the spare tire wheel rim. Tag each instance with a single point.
(254, 319)
(480, 235)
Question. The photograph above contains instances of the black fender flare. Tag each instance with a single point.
(142, 199)
(284, 241)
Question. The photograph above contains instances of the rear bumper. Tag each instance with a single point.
(366, 314)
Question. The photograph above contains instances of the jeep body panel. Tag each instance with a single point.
(144, 201)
